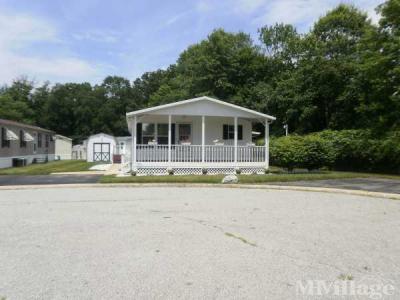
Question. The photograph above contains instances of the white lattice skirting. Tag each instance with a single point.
(158, 171)
(152, 171)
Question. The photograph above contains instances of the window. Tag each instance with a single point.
(22, 142)
(39, 140)
(184, 132)
(5, 143)
(229, 132)
(121, 147)
(162, 134)
(47, 140)
(148, 133)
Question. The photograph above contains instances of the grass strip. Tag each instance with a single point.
(50, 167)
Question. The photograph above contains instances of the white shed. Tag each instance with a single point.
(100, 147)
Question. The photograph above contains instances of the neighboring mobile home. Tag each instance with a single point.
(197, 135)
(63, 147)
(22, 144)
(79, 151)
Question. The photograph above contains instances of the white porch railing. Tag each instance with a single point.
(219, 153)
(152, 153)
(193, 153)
(251, 154)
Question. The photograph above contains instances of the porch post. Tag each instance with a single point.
(203, 130)
(134, 142)
(169, 138)
(236, 137)
(266, 141)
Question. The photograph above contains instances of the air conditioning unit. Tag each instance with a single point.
(19, 162)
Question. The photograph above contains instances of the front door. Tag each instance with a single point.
(101, 152)
(185, 133)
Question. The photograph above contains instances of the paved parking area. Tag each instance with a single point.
(365, 184)
(202, 243)
(47, 179)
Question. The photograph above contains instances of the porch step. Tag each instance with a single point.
(113, 170)
(40, 160)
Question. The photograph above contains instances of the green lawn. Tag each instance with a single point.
(246, 179)
(277, 174)
(50, 167)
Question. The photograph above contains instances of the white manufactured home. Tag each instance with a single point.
(195, 135)
(63, 147)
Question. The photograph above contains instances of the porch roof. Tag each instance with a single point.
(210, 107)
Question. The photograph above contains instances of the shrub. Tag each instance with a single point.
(387, 157)
(285, 152)
(309, 152)
(315, 153)
(170, 171)
(350, 149)
(355, 150)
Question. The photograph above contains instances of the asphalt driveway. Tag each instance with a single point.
(47, 179)
(185, 243)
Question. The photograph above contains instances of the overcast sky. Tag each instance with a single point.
(86, 40)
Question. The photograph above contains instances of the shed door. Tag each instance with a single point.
(101, 152)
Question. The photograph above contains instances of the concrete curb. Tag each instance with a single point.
(204, 185)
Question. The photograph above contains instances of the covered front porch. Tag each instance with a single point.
(196, 137)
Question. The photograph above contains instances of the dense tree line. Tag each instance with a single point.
(342, 74)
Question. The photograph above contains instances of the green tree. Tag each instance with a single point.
(313, 94)
(116, 95)
(220, 66)
(378, 80)
(15, 101)
(14, 110)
